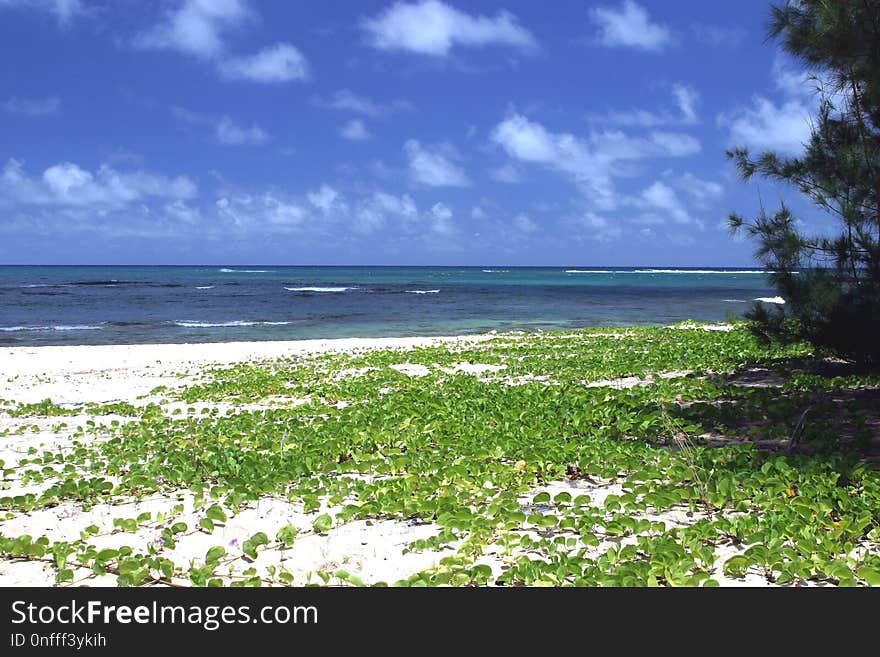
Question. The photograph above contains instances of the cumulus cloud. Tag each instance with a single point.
(441, 220)
(766, 125)
(282, 62)
(349, 101)
(68, 184)
(355, 130)
(195, 27)
(431, 27)
(323, 198)
(433, 167)
(662, 198)
(598, 227)
(776, 126)
(629, 26)
(224, 129)
(372, 213)
(31, 106)
(593, 161)
(200, 28)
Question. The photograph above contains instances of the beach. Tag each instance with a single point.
(131, 419)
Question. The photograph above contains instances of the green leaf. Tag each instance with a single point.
(870, 575)
(207, 524)
(322, 523)
(287, 535)
(216, 514)
(106, 555)
(541, 498)
(215, 554)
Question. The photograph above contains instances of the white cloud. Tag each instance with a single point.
(182, 213)
(698, 189)
(375, 210)
(768, 126)
(346, 100)
(594, 161)
(600, 229)
(506, 173)
(226, 131)
(433, 28)
(282, 62)
(441, 220)
(31, 106)
(355, 130)
(663, 198)
(524, 224)
(323, 198)
(196, 27)
(63, 10)
(686, 101)
(790, 80)
(261, 212)
(68, 184)
(282, 213)
(629, 26)
(432, 167)
(676, 144)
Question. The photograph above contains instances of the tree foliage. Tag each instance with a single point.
(831, 283)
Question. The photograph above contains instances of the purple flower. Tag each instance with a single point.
(159, 541)
(233, 542)
(160, 479)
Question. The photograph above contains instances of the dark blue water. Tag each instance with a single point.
(126, 305)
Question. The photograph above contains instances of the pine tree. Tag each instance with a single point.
(831, 283)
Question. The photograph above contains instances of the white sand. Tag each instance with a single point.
(108, 373)
(370, 550)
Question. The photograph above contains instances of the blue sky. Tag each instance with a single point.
(426, 132)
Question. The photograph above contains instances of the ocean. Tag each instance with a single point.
(74, 305)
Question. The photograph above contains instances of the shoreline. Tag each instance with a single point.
(107, 373)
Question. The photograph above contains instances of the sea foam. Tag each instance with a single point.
(699, 271)
(771, 300)
(238, 322)
(319, 289)
(60, 327)
(423, 291)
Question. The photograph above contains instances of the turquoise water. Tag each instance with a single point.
(129, 305)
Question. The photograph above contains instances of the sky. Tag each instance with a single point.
(419, 132)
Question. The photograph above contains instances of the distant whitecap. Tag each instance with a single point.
(423, 291)
(60, 327)
(319, 289)
(238, 322)
(779, 300)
